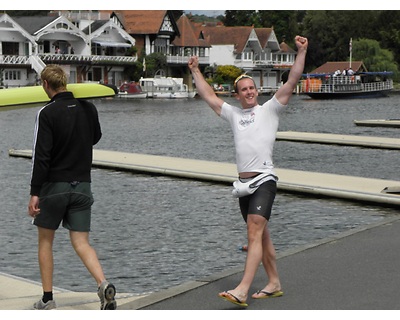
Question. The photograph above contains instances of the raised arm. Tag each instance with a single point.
(286, 91)
(203, 88)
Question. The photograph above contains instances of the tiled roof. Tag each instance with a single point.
(238, 36)
(285, 48)
(190, 34)
(263, 35)
(331, 67)
(141, 21)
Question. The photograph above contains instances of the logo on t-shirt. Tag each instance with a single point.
(247, 119)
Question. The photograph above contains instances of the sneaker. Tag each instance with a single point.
(40, 305)
(106, 294)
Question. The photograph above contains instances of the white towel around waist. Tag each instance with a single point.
(241, 189)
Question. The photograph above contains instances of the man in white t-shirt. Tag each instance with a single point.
(254, 128)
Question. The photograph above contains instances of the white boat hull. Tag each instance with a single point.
(125, 95)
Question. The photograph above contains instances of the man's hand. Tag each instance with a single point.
(33, 206)
(193, 62)
(301, 42)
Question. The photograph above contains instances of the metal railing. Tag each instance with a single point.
(344, 84)
(177, 59)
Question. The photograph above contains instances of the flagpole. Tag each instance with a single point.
(351, 49)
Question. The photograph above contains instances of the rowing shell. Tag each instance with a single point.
(36, 94)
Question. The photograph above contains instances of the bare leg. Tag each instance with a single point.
(269, 263)
(255, 230)
(80, 243)
(45, 254)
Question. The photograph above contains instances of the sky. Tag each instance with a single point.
(209, 13)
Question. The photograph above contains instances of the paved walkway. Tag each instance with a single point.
(19, 294)
(355, 270)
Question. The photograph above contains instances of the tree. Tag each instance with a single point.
(374, 57)
(226, 74)
(329, 32)
(286, 23)
(388, 30)
(154, 62)
(240, 18)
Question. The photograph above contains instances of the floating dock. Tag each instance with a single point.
(339, 139)
(377, 191)
(392, 123)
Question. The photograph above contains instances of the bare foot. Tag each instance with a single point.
(262, 294)
(270, 290)
(236, 298)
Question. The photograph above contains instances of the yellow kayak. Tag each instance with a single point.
(36, 94)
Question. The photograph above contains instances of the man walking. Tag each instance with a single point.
(254, 129)
(65, 131)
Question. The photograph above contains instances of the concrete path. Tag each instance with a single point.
(19, 294)
(354, 270)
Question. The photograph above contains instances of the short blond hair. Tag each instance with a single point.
(55, 77)
(242, 76)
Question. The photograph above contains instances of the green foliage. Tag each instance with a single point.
(329, 32)
(131, 51)
(286, 23)
(374, 57)
(134, 72)
(154, 62)
(240, 18)
(26, 13)
(226, 74)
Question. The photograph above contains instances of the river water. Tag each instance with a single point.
(155, 232)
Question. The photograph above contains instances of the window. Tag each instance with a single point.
(202, 52)
(160, 45)
(11, 48)
(12, 75)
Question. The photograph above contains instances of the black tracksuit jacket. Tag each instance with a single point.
(65, 131)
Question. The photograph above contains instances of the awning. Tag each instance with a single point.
(112, 44)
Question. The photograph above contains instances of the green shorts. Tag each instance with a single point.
(69, 202)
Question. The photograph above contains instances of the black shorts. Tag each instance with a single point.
(260, 202)
(67, 202)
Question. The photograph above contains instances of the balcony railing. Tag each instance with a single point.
(74, 58)
(177, 59)
(11, 59)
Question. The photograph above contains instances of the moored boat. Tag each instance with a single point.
(165, 87)
(357, 85)
(131, 90)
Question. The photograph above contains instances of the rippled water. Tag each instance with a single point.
(155, 232)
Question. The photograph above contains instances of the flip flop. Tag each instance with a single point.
(266, 294)
(227, 296)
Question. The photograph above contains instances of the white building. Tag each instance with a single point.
(97, 53)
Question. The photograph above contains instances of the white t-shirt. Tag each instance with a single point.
(254, 132)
